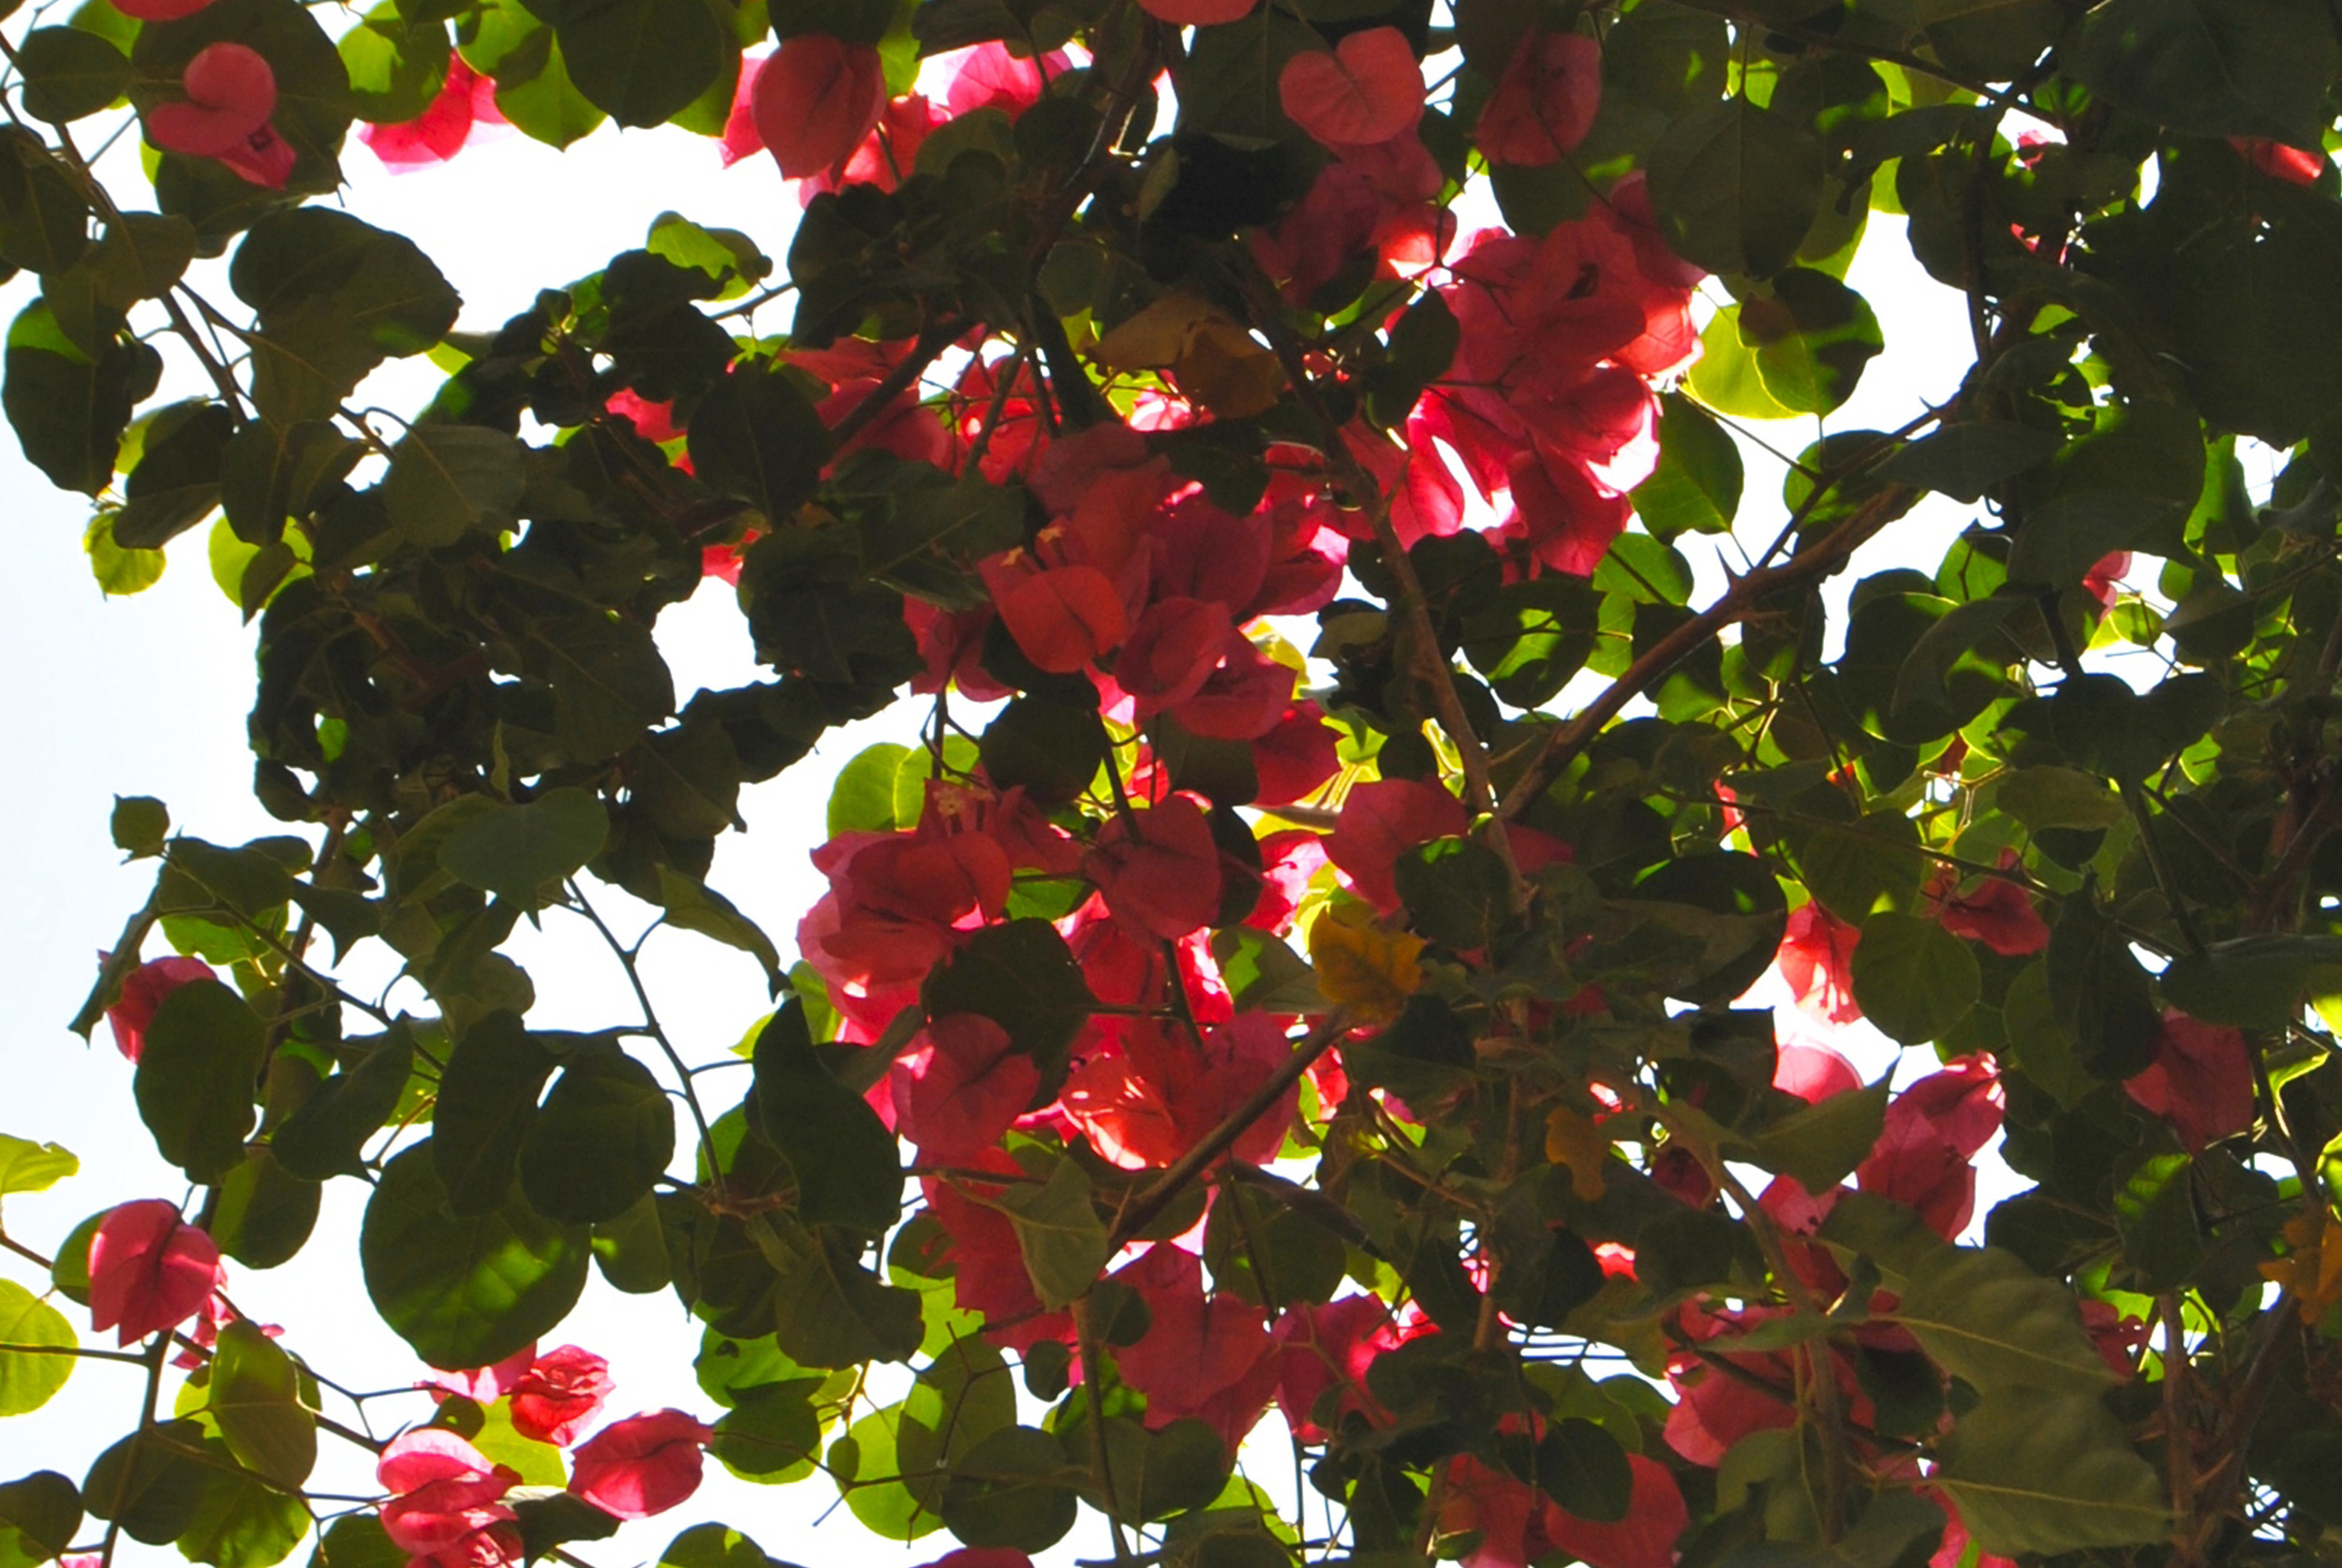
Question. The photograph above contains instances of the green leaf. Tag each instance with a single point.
(884, 1502)
(756, 436)
(631, 1250)
(1812, 339)
(535, 91)
(69, 73)
(1263, 974)
(196, 1076)
(1820, 1143)
(119, 570)
(327, 1135)
(2248, 982)
(1965, 461)
(864, 796)
(1724, 376)
(1022, 976)
(1991, 40)
(1059, 1233)
(487, 1104)
(847, 1166)
(522, 854)
(335, 297)
(28, 1380)
(1269, 1251)
(1157, 1474)
(464, 1292)
(1456, 893)
(1228, 85)
(138, 825)
(608, 681)
(1864, 865)
(176, 483)
(771, 1435)
(1582, 1467)
(2034, 1472)
(2065, 537)
(1912, 977)
(242, 1521)
(446, 479)
(2249, 306)
(2100, 995)
(2154, 1214)
(44, 221)
(26, 1167)
(828, 1310)
(1736, 187)
(1696, 486)
(1528, 639)
(151, 1482)
(1053, 749)
(691, 905)
(715, 1546)
(265, 1214)
(255, 1400)
(396, 66)
(67, 409)
(552, 1518)
(2213, 67)
(963, 1395)
(39, 1514)
(2058, 797)
(1423, 344)
(1988, 1319)
(141, 257)
(603, 1135)
(268, 473)
(1728, 909)
(357, 1541)
(643, 61)
(1013, 1490)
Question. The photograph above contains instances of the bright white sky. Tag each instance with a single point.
(148, 695)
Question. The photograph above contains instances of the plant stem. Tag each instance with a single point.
(658, 1032)
(1157, 1195)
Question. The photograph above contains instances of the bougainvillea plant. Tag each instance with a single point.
(1204, 1042)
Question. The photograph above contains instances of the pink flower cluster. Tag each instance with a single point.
(447, 1502)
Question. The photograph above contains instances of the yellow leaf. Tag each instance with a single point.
(2312, 1269)
(1370, 971)
(1226, 371)
(1575, 1141)
(1206, 350)
(1156, 336)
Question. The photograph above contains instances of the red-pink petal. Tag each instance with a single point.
(142, 991)
(967, 1089)
(1065, 617)
(483, 1385)
(1383, 820)
(149, 1269)
(1196, 13)
(643, 1465)
(1367, 90)
(416, 1460)
(814, 101)
(231, 93)
(1544, 103)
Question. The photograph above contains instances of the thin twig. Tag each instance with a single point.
(658, 1032)
(1157, 1195)
(1412, 603)
(1564, 742)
